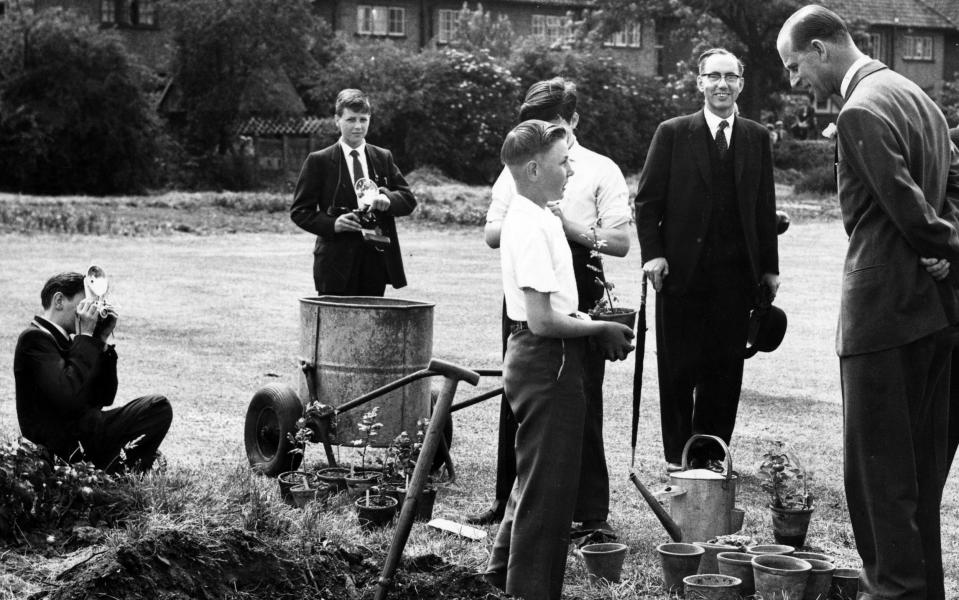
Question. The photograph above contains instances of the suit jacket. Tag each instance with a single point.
(674, 198)
(324, 183)
(61, 385)
(895, 164)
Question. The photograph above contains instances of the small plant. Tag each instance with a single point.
(403, 452)
(370, 429)
(785, 480)
(606, 303)
(308, 426)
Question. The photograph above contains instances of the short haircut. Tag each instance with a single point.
(528, 139)
(354, 100)
(814, 22)
(546, 100)
(717, 51)
(69, 284)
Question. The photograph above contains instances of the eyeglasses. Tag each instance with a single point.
(731, 78)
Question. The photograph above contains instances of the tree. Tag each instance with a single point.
(75, 114)
(239, 59)
(747, 27)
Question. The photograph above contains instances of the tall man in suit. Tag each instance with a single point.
(345, 263)
(893, 342)
(66, 373)
(706, 215)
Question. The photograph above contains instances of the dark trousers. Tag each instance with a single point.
(137, 428)
(543, 381)
(700, 341)
(367, 277)
(953, 403)
(592, 502)
(895, 405)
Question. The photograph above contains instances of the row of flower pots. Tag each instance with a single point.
(376, 502)
(770, 571)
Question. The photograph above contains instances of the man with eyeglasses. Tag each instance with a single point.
(706, 216)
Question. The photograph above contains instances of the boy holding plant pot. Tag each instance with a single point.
(543, 367)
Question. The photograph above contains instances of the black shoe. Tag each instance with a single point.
(714, 464)
(494, 514)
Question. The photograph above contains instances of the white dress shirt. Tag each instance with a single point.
(361, 150)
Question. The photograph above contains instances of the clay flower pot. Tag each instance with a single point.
(304, 494)
(780, 577)
(812, 555)
(360, 481)
(335, 476)
(708, 564)
(780, 549)
(680, 560)
(820, 578)
(624, 316)
(845, 584)
(604, 561)
(288, 479)
(739, 565)
(375, 510)
(709, 586)
(790, 525)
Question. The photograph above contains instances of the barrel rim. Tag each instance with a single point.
(344, 301)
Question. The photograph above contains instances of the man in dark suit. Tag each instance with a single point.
(894, 165)
(345, 261)
(66, 373)
(706, 215)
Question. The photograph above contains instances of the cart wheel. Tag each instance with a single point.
(272, 415)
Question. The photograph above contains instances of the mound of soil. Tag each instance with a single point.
(178, 564)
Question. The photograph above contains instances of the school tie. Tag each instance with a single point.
(721, 143)
(357, 167)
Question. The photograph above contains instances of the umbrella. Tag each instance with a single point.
(638, 370)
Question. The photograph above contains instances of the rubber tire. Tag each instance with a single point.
(272, 415)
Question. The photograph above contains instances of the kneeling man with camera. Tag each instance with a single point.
(66, 373)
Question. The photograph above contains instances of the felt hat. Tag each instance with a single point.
(767, 327)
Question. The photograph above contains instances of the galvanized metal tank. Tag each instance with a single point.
(361, 343)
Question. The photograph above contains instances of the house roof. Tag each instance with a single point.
(289, 126)
(931, 14)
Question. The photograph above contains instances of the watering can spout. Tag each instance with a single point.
(672, 528)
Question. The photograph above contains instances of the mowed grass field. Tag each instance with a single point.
(207, 320)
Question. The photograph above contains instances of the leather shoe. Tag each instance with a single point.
(494, 514)
(672, 467)
(714, 464)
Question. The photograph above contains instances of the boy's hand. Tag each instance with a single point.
(346, 222)
(87, 316)
(381, 202)
(614, 340)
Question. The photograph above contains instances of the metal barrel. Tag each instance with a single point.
(361, 343)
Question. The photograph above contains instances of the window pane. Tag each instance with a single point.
(539, 25)
(107, 11)
(380, 20)
(364, 19)
(445, 24)
(397, 21)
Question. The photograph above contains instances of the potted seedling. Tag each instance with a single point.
(402, 454)
(362, 479)
(790, 502)
(605, 308)
(375, 509)
(304, 435)
(309, 488)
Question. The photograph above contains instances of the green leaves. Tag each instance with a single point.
(784, 479)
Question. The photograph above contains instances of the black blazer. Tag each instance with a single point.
(61, 385)
(325, 182)
(674, 199)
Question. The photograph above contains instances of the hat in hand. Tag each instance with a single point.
(767, 327)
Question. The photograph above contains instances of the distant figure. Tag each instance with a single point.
(345, 263)
(805, 124)
(894, 337)
(706, 216)
(66, 373)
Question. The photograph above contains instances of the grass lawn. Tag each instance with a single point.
(207, 320)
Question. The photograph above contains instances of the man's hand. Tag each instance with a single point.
(770, 281)
(937, 267)
(107, 324)
(87, 316)
(656, 270)
(556, 209)
(381, 202)
(346, 222)
(614, 340)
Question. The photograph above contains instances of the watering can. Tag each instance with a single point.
(701, 501)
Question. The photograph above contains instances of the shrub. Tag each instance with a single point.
(817, 180)
(803, 155)
(75, 115)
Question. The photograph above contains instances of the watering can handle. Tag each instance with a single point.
(718, 440)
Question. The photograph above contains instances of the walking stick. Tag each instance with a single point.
(431, 442)
(640, 354)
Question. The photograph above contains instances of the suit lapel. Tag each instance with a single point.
(865, 71)
(345, 186)
(740, 147)
(371, 164)
(698, 136)
(44, 325)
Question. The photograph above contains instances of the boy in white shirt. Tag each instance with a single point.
(543, 367)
